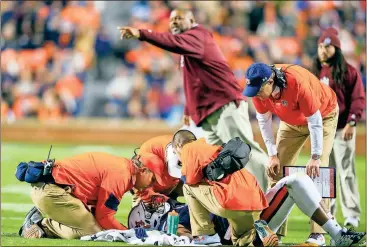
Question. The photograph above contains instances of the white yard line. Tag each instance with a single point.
(12, 218)
(16, 207)
(18, 189)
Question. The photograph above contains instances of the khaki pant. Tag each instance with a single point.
(343, 158)
(290, 140)
(67, 216)
(201, 202)
(231, 121)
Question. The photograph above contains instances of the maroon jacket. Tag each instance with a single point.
(351, 98)
(209, 83)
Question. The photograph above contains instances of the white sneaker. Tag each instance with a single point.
(213, 240)
(316, 239)
(352, 221)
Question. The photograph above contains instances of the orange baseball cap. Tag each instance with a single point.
(155, 164)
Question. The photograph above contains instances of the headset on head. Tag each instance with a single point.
(279, 77)
(136, 159)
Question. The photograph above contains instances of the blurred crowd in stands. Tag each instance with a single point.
(63, 59)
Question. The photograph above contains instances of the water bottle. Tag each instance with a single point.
(172, 222)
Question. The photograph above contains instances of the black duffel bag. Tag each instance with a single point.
(233, 157)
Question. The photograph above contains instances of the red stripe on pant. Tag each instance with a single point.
(277, 201)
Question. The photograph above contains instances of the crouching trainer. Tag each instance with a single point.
(81, 194)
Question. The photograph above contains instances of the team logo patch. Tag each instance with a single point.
(325, 80)
(327, 41)
(247, 81)
(284, 103)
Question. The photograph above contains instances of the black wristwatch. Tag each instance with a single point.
(352, 123)
(315, 156)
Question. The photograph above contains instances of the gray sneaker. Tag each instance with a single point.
(32, 217)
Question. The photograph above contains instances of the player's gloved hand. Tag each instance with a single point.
(140, 233)
(148, 196)
(273, 167)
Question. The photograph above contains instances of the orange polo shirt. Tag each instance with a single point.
(304, 95)
(237, 191)
(157, 145)
(97, 179)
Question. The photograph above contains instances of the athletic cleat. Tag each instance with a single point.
(266, 235)
(349, 237)
(315, 239)
(213, 240)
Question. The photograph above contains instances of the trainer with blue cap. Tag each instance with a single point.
(306, 108)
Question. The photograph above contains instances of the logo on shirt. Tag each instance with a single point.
(182, 61)
(325, 80)
(284, 103)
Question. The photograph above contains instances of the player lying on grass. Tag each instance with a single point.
(81, 194)
(154, 215)
(297, 189)
(229, 198)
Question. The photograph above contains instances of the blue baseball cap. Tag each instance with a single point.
(256, 75)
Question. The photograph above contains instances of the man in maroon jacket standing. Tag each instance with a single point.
(332, 69)
(214, 98)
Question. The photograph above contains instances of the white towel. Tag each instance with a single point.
(128, 236)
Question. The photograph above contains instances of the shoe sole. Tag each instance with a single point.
(28, 216)
(32, 232)
(267, 236)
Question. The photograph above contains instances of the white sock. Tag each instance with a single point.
(332, 227)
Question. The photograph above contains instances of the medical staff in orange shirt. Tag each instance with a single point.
(306, 108)
(167, 184)
(83, 194)
(238, 197)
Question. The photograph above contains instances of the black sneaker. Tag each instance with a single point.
(349, 237)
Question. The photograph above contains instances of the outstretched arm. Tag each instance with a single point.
(189, 43)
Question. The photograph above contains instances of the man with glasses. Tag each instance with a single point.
(306, 107)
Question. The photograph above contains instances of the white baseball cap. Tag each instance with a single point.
(174, 169)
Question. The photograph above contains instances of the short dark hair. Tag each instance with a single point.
(183, 137)
(186, 11)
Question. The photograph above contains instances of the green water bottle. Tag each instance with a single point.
(172, 222)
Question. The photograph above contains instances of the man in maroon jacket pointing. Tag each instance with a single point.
(214, 98)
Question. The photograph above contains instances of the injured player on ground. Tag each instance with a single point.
(297, 189)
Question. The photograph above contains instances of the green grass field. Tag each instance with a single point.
(15, 200)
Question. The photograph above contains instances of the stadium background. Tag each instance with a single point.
(68, 80)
